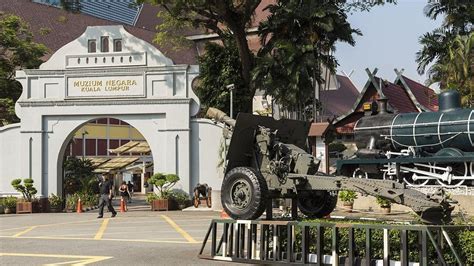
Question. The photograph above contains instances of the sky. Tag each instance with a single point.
(389, 40)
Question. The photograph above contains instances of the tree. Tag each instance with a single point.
(17, 50)
(455, 70)
(164, 183)
(27, 189)
(297, 41)
(226, 18)
(219, 67)
(449, 47)
(222, 18)
(79, 176)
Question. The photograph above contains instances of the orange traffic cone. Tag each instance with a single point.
(79, 206)
(224, 215)
(122, 205)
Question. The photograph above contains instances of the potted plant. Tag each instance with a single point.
(163, 183)
(28, 191)
(55, 203)
(181, 198)
(385, 204)
(347, 197)
(10, 204)
(71, 202)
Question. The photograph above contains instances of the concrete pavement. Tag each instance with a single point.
(138, 237)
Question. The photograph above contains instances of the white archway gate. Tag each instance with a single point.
(132, 81)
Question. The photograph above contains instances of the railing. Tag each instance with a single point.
(334, 243)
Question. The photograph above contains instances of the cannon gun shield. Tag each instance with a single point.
(242, 142)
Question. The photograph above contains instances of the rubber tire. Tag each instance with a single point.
(322, 208)
(258, 187)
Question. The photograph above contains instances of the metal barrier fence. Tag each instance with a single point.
(333, 243)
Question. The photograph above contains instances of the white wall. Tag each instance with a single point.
(206, 139)
(321, 154)
(10, 159)
(159, 104)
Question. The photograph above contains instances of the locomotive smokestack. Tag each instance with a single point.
(382, 105)
(449, 100)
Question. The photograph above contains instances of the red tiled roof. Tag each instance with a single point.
(340, 101)
(40, 16)
(317, 129)
(397, 97)
(424, 95)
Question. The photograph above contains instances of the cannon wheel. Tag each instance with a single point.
(196, 200)
(243, 193)
(209, 198)
(317, 203)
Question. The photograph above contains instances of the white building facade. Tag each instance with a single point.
(107, 72)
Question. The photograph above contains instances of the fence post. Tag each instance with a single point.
(226, 236)
(335, 246)
(305, 244)
(320, 245)
(213, 239)
(424, 249)
(404, 247)
(386, 247)
(231, 240)
(351, 246)
(368, 245)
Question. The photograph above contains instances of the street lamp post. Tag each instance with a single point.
(84, 132)
(230, 87)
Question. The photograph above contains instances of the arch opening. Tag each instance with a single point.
(104, 146)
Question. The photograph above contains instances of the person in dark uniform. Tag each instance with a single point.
(106, 190)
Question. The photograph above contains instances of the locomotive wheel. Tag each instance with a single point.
(458, 169)
(359, 174)
(408, 179)
(243, 193)
(317, 203)
(472, 168)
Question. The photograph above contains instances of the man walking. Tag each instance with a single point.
(106, 190)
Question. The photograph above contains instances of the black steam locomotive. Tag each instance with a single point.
(416, 148)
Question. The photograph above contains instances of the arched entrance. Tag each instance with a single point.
(108, 146)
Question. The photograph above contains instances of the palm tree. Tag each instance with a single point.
(454, 69)
(449, 47)
(458, 14)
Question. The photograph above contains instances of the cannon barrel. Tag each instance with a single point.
(220, 116)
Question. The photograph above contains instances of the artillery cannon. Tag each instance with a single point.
(269, 158)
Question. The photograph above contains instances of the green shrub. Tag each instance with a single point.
(164, 183)
(347, 196)
(71, 201)
(10, 202)
(181, 197)
(27, 189)
(151, 197)
(462, 240)
(466, 241)
(383, 202)
(336, 147)
(55, 201)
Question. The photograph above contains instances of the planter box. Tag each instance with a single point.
(163, 205)
(24, 207)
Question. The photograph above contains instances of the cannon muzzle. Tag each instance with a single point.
(220, 116)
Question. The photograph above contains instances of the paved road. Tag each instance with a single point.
(138, 237)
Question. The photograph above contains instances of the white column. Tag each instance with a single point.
(143, 178)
